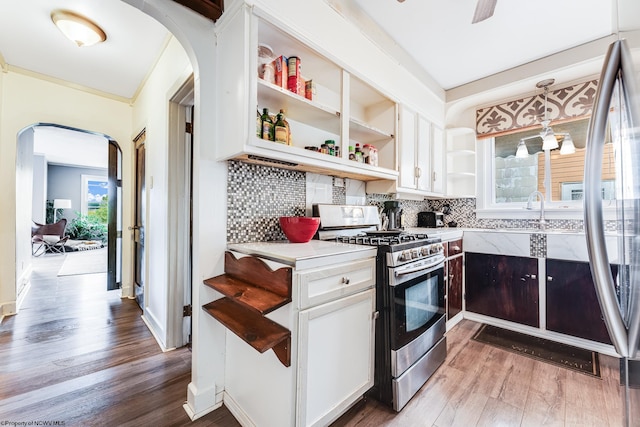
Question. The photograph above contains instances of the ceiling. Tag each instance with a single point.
(439, 37)
(67, 147)
(29, 40)
(434, 37)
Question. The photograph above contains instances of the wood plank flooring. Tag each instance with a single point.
(83, 356)
(79, 354)
(480, 385)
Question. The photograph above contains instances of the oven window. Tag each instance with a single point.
(421, 303)
(418, 304)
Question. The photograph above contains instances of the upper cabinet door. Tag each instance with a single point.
(423, 150)
(407, 148)
(437, 166)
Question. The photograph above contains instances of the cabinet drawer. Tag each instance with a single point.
(326, 284)
(454, 247)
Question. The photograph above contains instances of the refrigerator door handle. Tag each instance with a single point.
(632, 100)
(593, 218)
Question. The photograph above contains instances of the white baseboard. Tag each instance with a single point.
(198, 404)
(609, 350)
(237, 411)
(454, 321)
(8, 308)
(150, 326)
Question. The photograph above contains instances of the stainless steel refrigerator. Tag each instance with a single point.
(616, 120)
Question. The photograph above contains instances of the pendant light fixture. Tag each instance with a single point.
(77, 28)
(549, 141)
(522, 151)
(567, 145)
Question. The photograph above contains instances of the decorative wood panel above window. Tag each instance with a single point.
(211, 9)
(566, 104)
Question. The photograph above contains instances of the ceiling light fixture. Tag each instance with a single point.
(522, 151)
(567, 145)
(549, 141)
(77, 28)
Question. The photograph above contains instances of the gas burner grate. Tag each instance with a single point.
(362, 239)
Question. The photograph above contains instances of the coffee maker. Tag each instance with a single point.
(393, 212)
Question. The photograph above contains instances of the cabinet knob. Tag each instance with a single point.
(549, 279)
(530, 276)
(376, 314)
(418, 172)
(435, 176)
(345, 280)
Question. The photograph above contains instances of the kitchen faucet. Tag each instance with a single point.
(543, 222)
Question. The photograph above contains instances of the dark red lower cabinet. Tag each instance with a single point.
(572, 303)
(501, 286)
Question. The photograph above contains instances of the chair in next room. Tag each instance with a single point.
(48, 237)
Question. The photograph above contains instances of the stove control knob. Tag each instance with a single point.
(415, 253)
(424, 251)
(404, 256)
(435, 248)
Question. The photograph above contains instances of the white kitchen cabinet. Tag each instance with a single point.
(461, 162)
(438, 179)
(336, 351)
(420, 153)
(343, 108)
(331, 318)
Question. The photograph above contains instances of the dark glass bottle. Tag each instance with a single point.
(267, 126)
(281, 134)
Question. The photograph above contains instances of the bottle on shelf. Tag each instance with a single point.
(366, 153)
(286, 123)
(359, 155)
(259, 124)
(281, 134)
(267, 126)
(352, 153)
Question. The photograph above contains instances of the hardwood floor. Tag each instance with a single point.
(79, 354)
(480, 385)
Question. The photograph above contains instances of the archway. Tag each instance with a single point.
(72, 154)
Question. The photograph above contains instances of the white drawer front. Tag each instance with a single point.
(326, 284)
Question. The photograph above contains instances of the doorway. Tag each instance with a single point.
(180, 195)
(76, 175)
(140, 217)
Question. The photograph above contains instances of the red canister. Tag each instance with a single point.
(293, 81)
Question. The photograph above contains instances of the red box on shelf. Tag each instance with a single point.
(282, 71)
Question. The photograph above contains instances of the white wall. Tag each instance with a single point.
(151, 112)
(26, 101)
(24, 189)
(197, 37)
(39, 198)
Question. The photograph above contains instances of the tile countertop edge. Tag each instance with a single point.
(302, 256)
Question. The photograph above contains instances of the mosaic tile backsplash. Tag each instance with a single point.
(258, 195)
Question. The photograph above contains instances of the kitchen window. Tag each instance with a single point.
(506, 181)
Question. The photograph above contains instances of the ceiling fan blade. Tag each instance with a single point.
(484, 10)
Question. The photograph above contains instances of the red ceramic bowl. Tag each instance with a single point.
(299, 229)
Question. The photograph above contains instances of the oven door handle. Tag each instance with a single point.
(431, 266)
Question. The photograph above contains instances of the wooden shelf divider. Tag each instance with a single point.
(251, 290)
(256, 330)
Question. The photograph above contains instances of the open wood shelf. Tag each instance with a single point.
(256, 330)
(246, 294)
(252, 289)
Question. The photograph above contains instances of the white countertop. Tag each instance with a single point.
(443, 233)
(315, 253)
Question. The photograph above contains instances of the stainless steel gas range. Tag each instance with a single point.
(410, 298)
